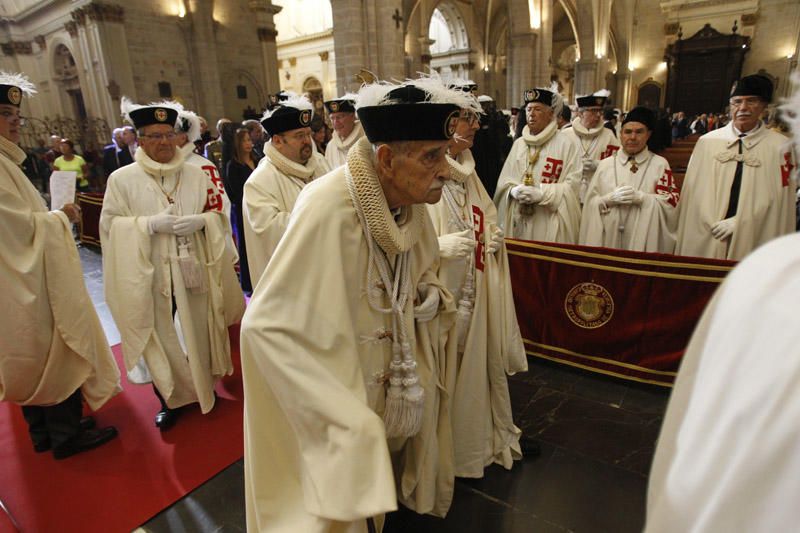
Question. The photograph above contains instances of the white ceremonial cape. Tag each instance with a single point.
(51, 341)
(728, 456)
(647, 227)
(336, 151)
(316, 454)
(483, 427)
(184, 357)
(558, 172)
(269, 196)
(766, 206)
(597, 144)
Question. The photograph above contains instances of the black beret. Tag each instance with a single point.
(10, 95)
(642, 115)
(755, 85)
(539, 95)
(340, 105)
(285, 118)
(155, 114)
(591, 101)
(409, 118)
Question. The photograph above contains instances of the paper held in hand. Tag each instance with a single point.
(62, 188)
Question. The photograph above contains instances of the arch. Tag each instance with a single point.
(650, 93)
(450, 51)
(570, 11)
(253, 82)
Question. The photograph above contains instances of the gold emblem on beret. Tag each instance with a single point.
(598, 101)
(334, 107)
(273, 99)
(305, 117)
(589, 305)
(14, 95)
(160, 114)
(531, 95)
(450, 123)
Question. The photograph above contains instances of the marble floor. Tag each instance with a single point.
(597, 433)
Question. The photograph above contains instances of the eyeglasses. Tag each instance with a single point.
(469, 118)
(158, 137)
(593, 110)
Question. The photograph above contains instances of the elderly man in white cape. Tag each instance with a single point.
(537, 192)
(474, 268)
(595, 142)
(344, 342)
(169, 278)
(728, 456)
(53, 352)
(346, 129)
(632, 198)
(739, 191)
(290, 162)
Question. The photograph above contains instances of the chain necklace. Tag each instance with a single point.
(638, 187)
(171, 194)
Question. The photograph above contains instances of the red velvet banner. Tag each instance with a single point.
(627, 314)
(91, 204)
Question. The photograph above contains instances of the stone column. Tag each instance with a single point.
(544, 46)
(522, 50)
(265, 13)
(622, 90)
(586, 75)
(204, 59)
(368, 34)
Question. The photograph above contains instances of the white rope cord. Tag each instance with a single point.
(404, 396)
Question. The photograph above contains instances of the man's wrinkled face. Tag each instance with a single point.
(746, 111)
(539, 116)
(129, 136)
(10, 122)
(634, 137)
(419, 173)
(466, 126)
(343, 123)
(158, 142)
(295, 144)
(590, 116)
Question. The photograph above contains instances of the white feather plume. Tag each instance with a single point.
(485, 98)
(603, 93)
(790, 110)
(18, 80)
(346, 97)
(374, 94)
(126, 106)
(298, 102)
(193, 133)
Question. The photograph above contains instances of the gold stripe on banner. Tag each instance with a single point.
(646, 273)
(599, 370)
(695, 266)
(601, 359)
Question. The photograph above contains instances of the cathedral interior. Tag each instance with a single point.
(222, 58)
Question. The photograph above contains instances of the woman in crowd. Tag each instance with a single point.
(240, 166)
(70, 161)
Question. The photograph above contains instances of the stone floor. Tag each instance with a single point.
(597, 434)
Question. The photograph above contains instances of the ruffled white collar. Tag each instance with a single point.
(289, 167)
(582, 131)
(462, 166)
(542, 137)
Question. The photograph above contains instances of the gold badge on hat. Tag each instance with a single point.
(334, 107)
(450, 123)
(598, 101)
(161, 114)
(305, 117)
(589, 305)
(14, 95)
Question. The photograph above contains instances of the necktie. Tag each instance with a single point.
(632, 161)
(733, 203)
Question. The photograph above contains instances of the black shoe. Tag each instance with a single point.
(530, 447)
(166, 418)
(87, 422)
(85, 440)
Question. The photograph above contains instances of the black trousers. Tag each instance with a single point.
(54, 423)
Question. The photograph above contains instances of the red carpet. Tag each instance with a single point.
(124, 483)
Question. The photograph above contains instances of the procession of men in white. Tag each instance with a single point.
(382, 328)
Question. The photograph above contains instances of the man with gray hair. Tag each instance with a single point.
(344, 345)
(111, 161)
(290, 163)
(537, 192)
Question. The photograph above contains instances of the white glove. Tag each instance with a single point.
(453, 245)
(427, 310)
(724, 228)
(163, 222)
(189, 224)
(494, 241)
(589, 166)
(526, 194)
(622, 195)
(638, 197)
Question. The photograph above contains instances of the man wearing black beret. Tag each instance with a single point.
(632, 198)
(739, 190)
(346, 129)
